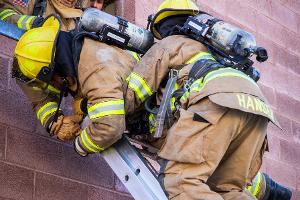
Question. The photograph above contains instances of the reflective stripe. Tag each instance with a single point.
(24, 22)
(78, 147)
(50, 88)
(201, 55)
(114, 107)
(223, 72)
(135, 55)
(152, 124)
(254, 189)
(184, 96)
(53, 89)
(46, 110)
(88, 143)
(6, 13)
(139, 86)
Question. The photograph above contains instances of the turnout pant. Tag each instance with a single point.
(213, 153)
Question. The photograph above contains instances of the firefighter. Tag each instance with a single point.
(98, 77)
(29, 13)
(100, 4)
(207, 152)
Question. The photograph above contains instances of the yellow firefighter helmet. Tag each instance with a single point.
(171, 8)
(36, 48)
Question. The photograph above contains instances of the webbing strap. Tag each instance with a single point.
(164, 107)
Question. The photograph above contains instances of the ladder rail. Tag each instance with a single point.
(131, 168)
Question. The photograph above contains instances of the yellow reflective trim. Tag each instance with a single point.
(41, 109)
(152, 124)
(95, 148)
(135, 55)
(136, 89)
(257, 186)
(185, 96)
(224, 72)
(143, 82)
(107, 113)
(139, 85)
(53, 89)
(49, 87)
(198, 56)
(6, 13)
(28, 21)
(91, 142)
(49, 112)
(85, 144)
(173, 100)
(19, 23)
(114, 107)
(104, 104)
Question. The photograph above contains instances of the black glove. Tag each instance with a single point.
(37, 22)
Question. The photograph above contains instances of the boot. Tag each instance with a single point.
(275, 191)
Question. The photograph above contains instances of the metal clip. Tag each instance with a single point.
(173, 73)
(187, 85)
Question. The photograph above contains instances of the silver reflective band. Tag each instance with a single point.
(78, 148)
(106, 109)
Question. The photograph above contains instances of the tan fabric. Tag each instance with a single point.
(53, 6)
(208, 151)
(169, 53)
(102, 73)
(214, 153)
(236, 93)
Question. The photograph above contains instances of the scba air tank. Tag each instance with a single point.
(140, 39)
(228, 38)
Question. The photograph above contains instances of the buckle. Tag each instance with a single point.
(187, 85)
(173, 73)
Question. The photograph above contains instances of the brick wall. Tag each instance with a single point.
(276, 26)
(36, 167)
(33, 166)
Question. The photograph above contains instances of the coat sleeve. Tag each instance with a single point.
(105, 110)
(12, 16)
(101, 80)
(44, 103)
(170, 53)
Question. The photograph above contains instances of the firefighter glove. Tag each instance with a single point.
(68, 127)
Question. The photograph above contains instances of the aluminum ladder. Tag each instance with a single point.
(130, 167)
